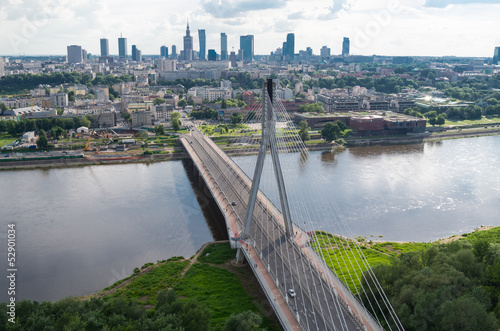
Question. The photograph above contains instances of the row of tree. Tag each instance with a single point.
(47, 124)
(169, 313)
(21, 83)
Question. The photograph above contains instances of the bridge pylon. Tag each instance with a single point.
(268, 141)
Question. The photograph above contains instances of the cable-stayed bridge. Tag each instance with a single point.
(275, 239)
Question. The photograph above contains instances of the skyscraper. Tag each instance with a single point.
(325, 52)
(164, 51)
(345, 47)
(104, 47)
(75, 54)
(134, 51)
(223, 46)
(188, 45)
(174, 52)
(203, 44)
(122, 47)
(290, 46)
(247, 46)
(212, 55)
(496, 55)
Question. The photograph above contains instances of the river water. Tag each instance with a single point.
(79, 230)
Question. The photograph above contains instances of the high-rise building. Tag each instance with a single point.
(134, 51)
(188, 45)
(496, 55)
(104, 47)
(212, 55)
(223, 46)
(2, 67)
(203, 44)
(122, 47)
(164, 51)
(174, 52)
(345, 47)
(325, 52)
(75, 54)
(247, 46)
(232, 58)
(136, 54)
(290, 46)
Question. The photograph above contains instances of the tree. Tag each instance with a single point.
(182, 103)
(159, 130)
(236, 118)
(56, 132)
(223, 104)
(245, 321)
(42, 141)
(440, 119)
(176, 124)
(330, 132)
(341, 125)
(304, 131)
(3, 108)
(158, 101)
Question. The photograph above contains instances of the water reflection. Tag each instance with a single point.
(379, 150)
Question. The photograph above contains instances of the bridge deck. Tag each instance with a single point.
(280, 262)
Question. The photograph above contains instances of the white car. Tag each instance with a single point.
(292, 293)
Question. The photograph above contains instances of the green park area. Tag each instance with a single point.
(6, 139)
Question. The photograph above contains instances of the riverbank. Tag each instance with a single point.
(136, 156)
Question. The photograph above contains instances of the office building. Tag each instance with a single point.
(325, 52)
(203, 44)
(164, 51)
(136, 54)
(75, 54)
(212, 55)
(247, 46)
(290, 46)
(174, 52)
(122, 47)
(496, 55)
(59, 100)
(232, 58)
(345, 47)
(188, 45)
(104, 47)
(223, 46)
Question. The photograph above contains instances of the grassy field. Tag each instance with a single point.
(484, 120)
(6, 139)
(213, 281)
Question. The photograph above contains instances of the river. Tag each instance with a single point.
(79, 230)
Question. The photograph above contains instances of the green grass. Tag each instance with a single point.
(148, 285)
(484, 120)
(394, 249)
(221, 291)
(6, 139)
(491, 235)
(347, 263)
(217, 254)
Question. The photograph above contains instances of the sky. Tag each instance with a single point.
(382, 27)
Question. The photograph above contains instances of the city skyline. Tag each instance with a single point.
(391, 27)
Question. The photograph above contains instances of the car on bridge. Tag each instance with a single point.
(233, 203)
(292, 293)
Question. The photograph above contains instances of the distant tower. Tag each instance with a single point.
(203, 44)
(325, 52)
(75, 54)
(223, 46)
(290, 46)
(164, 51)
(247, 46)
(134, 53)
(496, 55)
(345, 47)
(174, 52)
(122, 47)
(212, 55)
(188, 45)
(104, 47)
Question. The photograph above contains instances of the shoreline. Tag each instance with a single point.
(93, 159)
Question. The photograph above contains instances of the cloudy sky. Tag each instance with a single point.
(383, 27)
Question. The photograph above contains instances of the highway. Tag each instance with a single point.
(317, 305)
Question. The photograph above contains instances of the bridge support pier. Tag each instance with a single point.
(240, 257)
